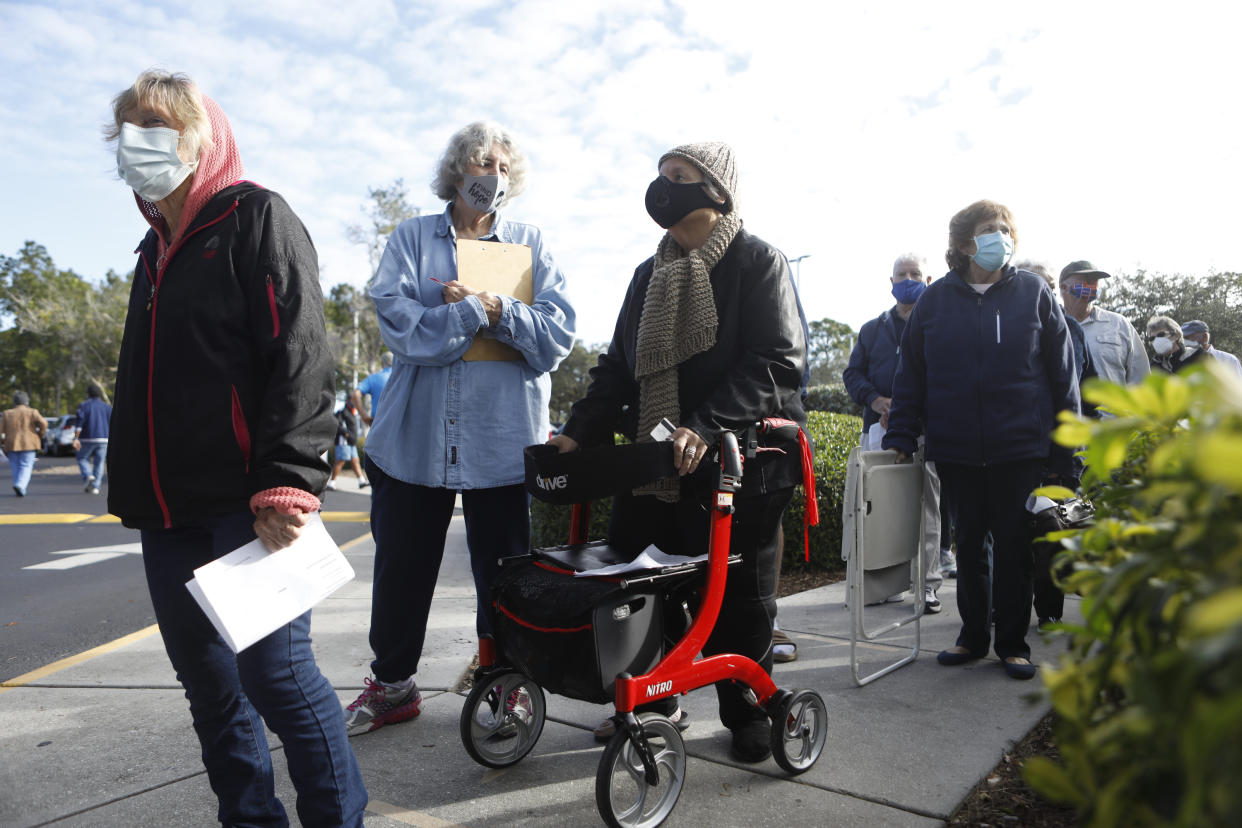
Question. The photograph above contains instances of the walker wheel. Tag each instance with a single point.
(502, 719)
(799, 730)
(622, 794)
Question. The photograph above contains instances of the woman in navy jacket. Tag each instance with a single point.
(986, 363)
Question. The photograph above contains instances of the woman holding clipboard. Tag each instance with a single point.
(476, 315)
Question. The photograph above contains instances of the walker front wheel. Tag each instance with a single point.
(623, 795)
(799, 730)
(502, 719)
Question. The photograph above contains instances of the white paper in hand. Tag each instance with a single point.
(251, 592)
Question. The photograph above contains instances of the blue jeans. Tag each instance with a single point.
(21, 463)
(275, 679)
(409, 524)
(91, 461)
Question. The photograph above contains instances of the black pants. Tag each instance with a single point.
(745, 623)
(1049, 599)
(992, 499)
(410, 524)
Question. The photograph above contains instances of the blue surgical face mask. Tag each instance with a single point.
(992, 251)
(908, 291)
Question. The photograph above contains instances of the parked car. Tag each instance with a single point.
(60, 433)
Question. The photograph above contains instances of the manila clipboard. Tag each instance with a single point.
(502, 269)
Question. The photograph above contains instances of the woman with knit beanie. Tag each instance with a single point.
(710, 336)
(223, 407)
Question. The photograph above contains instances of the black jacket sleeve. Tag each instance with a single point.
(597, 416)
(295, 421)
(764, 377)
(907, 415)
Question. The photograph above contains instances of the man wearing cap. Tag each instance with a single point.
(1196, 330)
(1117, 351)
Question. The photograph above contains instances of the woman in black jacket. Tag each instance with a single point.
(710, 336)
(223, 407)
(986, 364)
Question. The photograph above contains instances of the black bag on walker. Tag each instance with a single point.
(574, 635)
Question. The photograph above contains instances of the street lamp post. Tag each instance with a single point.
(798, 272)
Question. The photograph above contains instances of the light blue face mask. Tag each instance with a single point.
(147, 160)
(992, 251)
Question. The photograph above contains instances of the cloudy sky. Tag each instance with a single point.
(1110, 129)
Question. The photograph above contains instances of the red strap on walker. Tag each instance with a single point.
(810, 516)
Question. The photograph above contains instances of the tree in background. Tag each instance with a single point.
(350, 317)
(570, 380)
(1216, 299)
(385, 209)
(828, 353)
(829, 350)
(65, 331)
(353, 327)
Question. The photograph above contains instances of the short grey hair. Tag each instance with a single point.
(913, 258)
(472, 143)
(386, 359)
(172, 91)
(1039, 269)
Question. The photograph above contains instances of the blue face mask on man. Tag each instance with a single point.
(992, 251)
(908, 291)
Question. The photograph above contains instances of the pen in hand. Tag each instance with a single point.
(437, 281)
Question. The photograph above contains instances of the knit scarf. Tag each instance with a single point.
(678, 321)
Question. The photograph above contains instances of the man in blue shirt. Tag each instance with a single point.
(373, 386)
(91, 438)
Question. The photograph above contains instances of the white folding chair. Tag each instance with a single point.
(882, 536)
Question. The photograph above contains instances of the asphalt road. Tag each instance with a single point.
(88, 586)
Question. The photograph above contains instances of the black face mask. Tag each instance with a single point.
(669, 203)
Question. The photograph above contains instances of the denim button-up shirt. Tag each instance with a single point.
(445, 422)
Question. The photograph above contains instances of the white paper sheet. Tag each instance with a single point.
(250, 592)
(649, 558)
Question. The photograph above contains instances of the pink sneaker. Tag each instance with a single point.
(377, 706)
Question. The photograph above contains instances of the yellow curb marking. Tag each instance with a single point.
(102, 649)
(18, 520)
(408, 817)
(64, 663)
(105, 519)
(351, 544)
(346, 517)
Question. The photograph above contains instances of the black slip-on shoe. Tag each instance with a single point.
(949, 658)
(1019, 671)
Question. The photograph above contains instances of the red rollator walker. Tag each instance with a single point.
(601, 639)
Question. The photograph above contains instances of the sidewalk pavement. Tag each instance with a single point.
(106, 739)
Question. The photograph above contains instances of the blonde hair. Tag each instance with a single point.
(173, 92)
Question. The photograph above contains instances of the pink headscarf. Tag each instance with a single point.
(219, 166)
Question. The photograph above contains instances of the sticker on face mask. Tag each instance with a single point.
(1084, 290)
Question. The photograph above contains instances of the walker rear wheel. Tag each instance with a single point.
(622, 794)
(502, 719)
(799, 730)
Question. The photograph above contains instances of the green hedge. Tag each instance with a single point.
(831, 397)
(1149, 698)
(833, 435)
